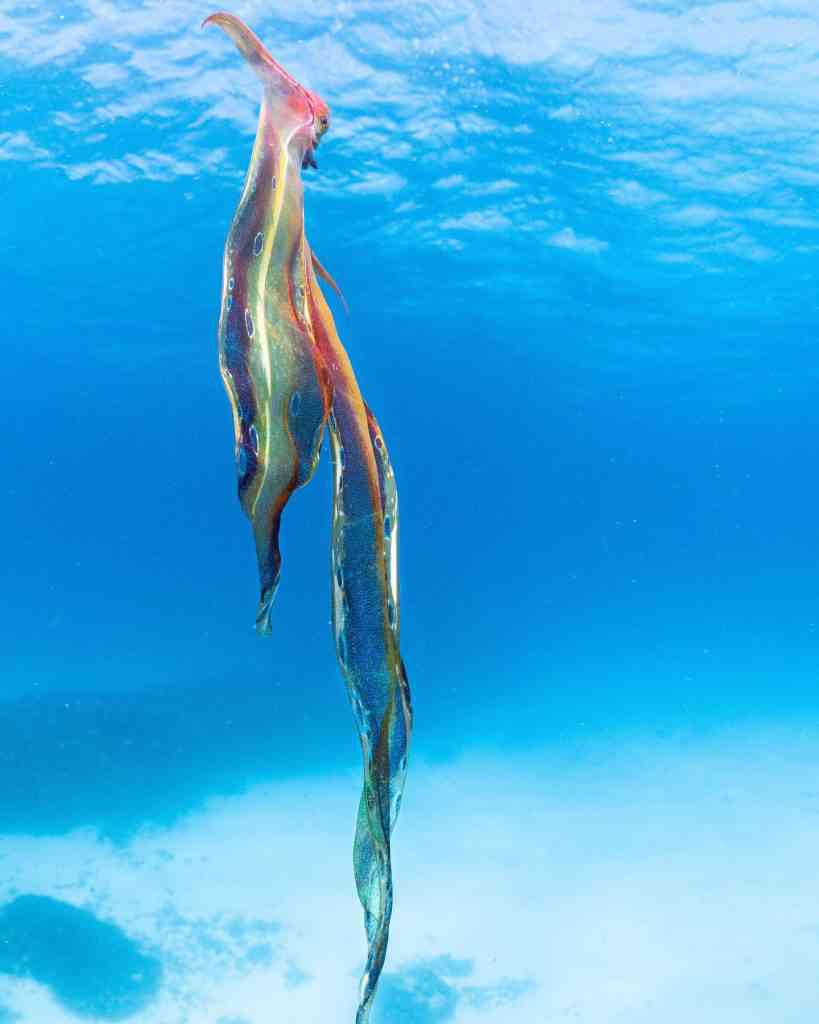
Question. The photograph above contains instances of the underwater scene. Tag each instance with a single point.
(545, 272)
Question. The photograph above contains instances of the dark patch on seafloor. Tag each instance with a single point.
(115, 761)
(91, 966)
(430, 991)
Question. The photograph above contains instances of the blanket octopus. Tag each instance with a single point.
(288, 377)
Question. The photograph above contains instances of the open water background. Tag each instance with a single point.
(579, 245)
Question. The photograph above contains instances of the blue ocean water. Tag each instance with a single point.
(579, 246)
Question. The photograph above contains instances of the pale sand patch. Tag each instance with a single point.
(670, 880)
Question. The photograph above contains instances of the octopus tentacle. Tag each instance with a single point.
(324, 274)
(366, 625)
(273, 373)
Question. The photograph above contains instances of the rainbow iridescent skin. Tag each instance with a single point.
(287, 375)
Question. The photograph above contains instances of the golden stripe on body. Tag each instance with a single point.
(260, 309)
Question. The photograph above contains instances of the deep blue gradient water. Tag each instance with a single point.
(579, 244)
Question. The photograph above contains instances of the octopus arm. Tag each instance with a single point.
(274, 375)
(365, 621)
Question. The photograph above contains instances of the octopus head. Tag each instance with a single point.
(320, 113)
(303, 110)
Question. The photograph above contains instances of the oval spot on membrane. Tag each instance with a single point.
(391, 612)
(241, 460)
(254, 439)
(387, 526)
(342, 458)
(342, 648)
(230, 302)
(248, 323)
(232, 283)
(378, 442)
(339, 576)
(257, 243)
(295, 403)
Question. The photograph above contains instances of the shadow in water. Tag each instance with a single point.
(419, 996)
(115, 761)
(430, 991)
(91, 967)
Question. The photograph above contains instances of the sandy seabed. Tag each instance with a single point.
(666, 879)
